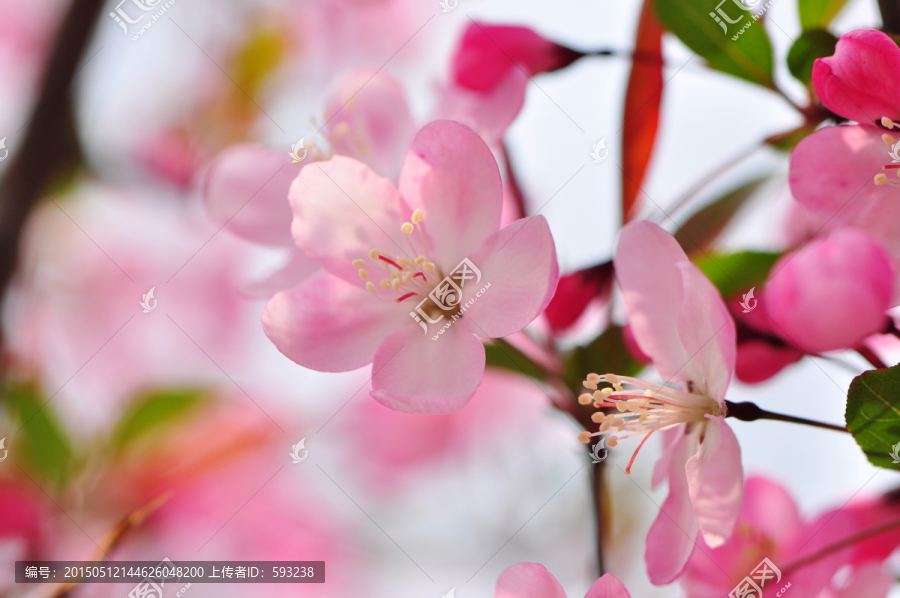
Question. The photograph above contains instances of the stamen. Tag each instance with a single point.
(584, 399)
(406, 296)
(584, 436)
(390, 261)
(888, 139)
(358, 263)
(363, 274)
(407, 228)
(631, 462)
(370, 286)
(417, 217)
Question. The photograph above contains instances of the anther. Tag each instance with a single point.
(584, 399)
(363, 274)
(881, 179)
(417, 216)
(584, 436)
(407, 228)
(887, 122)
(358, 263)
(370, 286)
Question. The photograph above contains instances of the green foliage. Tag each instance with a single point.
(812, 44)
(818, 13)
(40, 445)
(748, 57)
(705, 225)
(732, 273)
(153, 411)
(873, 414)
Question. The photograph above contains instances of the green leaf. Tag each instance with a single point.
(787, 141)
(873, 414)
(41, 445)
(606, 354)
(504, 356)
(818, 13)
(704, 226)
(812, 44)
(733, 273)
(152, 412)
(748, 57)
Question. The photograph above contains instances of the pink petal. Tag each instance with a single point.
(832, 293)
(487, 53)
(342, 211)
(716, 482)
(528, 580)
(246, 190)
(833, 173)
(328, 325)
(860, 82)
(488, 114)
(677, 315)
(575, 292)
(758, 360)
(770, 509)
(298, 269)
(672, 536)
(416, 373)
(452, 176)
(369, 120)
(519, 262)
(870, 581)
(608, 586)
(669, 439)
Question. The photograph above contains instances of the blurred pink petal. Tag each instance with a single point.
(575, 292)
(832, 293)
(531, 580)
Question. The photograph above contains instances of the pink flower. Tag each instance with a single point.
(832, 293)
(769, 526)
(680, 321)
(531, 580)
(352, 221)
(575, 292)
(848, 174)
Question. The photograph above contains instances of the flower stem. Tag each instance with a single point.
(839, 546)
(871, 357)
(749, 412)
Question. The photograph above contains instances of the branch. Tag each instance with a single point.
(749, 412)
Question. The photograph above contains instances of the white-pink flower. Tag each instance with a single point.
(531, 580)
(678, 319)
(384, 249)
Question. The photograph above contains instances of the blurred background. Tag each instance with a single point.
(108, 406)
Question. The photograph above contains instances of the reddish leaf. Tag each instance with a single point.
(642, 102)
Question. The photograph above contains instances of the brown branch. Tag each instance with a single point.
(50, 144)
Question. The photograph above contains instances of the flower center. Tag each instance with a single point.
(404, 277)
(881, 178)
(644, 408)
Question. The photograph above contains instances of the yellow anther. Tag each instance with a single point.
(584, 399)
(591, 385)
(363, 274)
(881, 179)
(386, 283)
(429, 267)
(593, 378)
(598, 417)
(584, 437)
(374, 254)
(358, 263)
(888, 139)
(612, 441)
(606, 391)
(407, 228)
(420, 260)
(887, 122)
(395, 284)
(370, 286)
(417, 216)
(403, 261)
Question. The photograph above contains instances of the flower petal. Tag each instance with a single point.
(328, 325)
(342, 211)
(860, 82)
(370, 120)
(452, 176)
(519, 263)
(528, 580)
(296, 270)
(488, 114)
(608, 586)
(673, 534)
(677, 316)
(715, 480)
(246, 188)
(417, 373)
